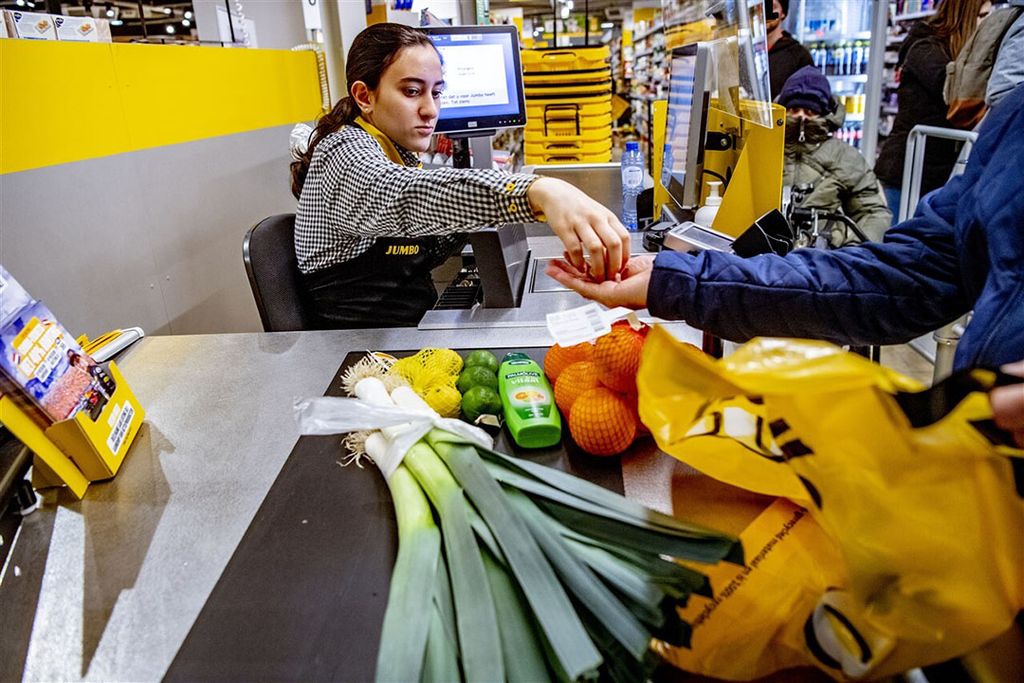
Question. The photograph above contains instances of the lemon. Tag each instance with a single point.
(446, 400)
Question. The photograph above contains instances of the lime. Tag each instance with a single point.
(481, 358)
(480, 401)
(477, 376)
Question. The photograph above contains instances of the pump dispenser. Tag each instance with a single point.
(705, 215)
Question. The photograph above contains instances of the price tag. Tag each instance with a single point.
(584, 324)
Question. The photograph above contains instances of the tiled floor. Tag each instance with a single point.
(909, 362)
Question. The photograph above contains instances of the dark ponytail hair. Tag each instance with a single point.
(372, 52)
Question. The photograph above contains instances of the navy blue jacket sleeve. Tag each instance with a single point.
(877, 293)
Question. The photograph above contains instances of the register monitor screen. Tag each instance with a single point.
(686, 125)
(483, 78)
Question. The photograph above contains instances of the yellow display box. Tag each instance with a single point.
(603, 75)
(79, 450)
(563, 59)
(586, 107)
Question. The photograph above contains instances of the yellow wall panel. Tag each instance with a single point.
(63, 102)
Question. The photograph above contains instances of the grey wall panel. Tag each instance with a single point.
(150, 238)
(279, 23)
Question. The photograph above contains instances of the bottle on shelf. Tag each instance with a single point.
(632, 183)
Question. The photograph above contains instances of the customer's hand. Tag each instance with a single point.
(586, 228)
(628, 289)
(1008, 404)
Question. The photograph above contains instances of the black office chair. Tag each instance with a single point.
(269, 255)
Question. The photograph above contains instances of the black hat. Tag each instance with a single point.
(807, 88)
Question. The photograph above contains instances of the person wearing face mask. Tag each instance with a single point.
(785, 55)
(371, 224)
(836, 174)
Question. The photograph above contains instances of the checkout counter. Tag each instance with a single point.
(224, 548)
(109, 588)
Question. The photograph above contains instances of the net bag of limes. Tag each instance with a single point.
(509, 570)
(897, 538)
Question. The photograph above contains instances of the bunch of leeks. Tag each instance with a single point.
(509, 570)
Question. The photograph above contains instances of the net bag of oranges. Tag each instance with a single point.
(896, 540)
(595, 388)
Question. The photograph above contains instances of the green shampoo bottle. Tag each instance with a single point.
(528, 402)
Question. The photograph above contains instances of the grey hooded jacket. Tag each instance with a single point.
(840, 177)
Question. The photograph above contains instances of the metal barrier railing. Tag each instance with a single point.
(940, 348)
(913, 162)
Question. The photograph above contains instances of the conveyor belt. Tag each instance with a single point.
(303, 596)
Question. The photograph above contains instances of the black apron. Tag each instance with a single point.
(388, 285)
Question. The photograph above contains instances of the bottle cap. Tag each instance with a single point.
(632, 146)
(714, 199)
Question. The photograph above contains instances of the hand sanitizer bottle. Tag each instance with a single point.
(706, 214)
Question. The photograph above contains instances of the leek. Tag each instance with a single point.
(575, 654)
(475, 618)
(408, 612)
(521, 645)
(442, 656)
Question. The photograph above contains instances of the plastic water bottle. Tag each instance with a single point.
(632, 183)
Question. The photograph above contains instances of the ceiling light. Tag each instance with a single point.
(607, 24)
(170, 28)
(166, 10)
(20, 3)
(110, 13)
(116, 22)
(186, 22)
(188, 14)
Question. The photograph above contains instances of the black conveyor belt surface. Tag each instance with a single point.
(303, 596)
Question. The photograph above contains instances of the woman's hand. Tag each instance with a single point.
(1008, 404)
(629, 289)
(586, 228)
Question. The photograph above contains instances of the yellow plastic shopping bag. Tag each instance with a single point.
(914, 492)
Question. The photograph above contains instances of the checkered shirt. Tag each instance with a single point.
(354, 194)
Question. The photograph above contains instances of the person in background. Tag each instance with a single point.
(837, 175)
(1008, 69)
(371, 223)
(921, 67)
(963, 250)
(785, 55)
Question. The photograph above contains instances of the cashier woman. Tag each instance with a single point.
(371, 224)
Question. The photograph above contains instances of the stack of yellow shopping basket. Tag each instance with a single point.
(568, 105)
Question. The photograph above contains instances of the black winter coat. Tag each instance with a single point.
(922, 64)
(785, 58)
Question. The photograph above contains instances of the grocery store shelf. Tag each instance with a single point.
(656, 29)
(855, 78)
(832, 38)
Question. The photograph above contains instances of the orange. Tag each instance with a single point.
(573, 381)
(617, 354)
(560, 357)
(634, 405)
(602, 423)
